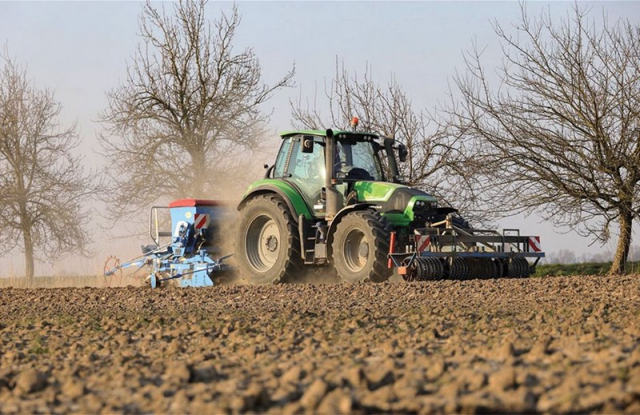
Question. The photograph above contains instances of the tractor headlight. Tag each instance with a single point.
(421, 206)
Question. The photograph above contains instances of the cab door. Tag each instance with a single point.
(306, 170)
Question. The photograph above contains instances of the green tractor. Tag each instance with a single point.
(336, 199)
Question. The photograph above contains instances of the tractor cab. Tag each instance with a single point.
(355, 157)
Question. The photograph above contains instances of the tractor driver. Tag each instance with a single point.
(314, 166)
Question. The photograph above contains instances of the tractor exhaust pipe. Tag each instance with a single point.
(334, 199)
(391, 157)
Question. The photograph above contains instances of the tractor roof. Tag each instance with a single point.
(323, 133)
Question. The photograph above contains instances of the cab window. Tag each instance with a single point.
(282, 158)
(307, 170)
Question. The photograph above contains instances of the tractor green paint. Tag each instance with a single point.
(380, 193)
(375, 191)
(285, 190)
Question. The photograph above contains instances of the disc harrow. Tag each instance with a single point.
(458, 268)
(462, 254)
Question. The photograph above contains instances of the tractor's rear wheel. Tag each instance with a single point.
(267, 245)
(360, 246)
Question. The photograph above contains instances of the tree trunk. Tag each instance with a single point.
(28, 256)
(199, 175)
(27, 238)
(624, 242)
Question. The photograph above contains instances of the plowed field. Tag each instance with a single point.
(566, 344)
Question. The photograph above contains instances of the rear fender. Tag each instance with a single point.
(288, 194)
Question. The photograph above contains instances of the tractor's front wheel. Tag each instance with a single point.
(267, 245)
(360, 246)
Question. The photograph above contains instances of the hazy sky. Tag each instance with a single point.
(80, 50)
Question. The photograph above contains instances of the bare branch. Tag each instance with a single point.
(556, 135)
(188, 108)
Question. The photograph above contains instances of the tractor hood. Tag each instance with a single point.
(395, 194)
(400, 204)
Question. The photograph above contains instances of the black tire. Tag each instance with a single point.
(360, 247)
(267, 245)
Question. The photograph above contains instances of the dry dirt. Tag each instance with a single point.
(566, 344)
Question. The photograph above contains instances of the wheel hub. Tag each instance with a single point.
(262, 243)
(356, 250)
(271, 243)
(363, 251)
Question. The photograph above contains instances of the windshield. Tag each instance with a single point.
(359, 154)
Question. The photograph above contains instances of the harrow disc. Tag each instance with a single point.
(525, 269)
(518, 268)
(498, 268)
(475, 267)
(430, 269)
(412, 274)
(424, 269)
(481, 268)
(490, 269)
(459, 269)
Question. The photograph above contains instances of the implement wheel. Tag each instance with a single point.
(360, 246)
(267, 245)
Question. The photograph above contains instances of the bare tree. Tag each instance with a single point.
(42, 184)
(558, 134)
(188, 109)
(434, 162)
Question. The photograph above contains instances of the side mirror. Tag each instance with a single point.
(402, 152)
(307, 144)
